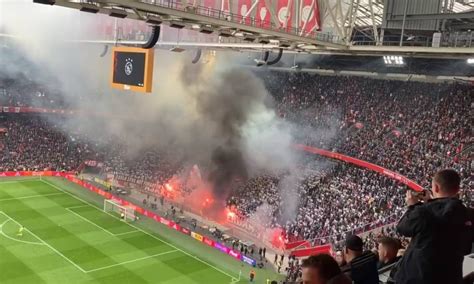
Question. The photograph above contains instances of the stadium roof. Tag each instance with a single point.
(347, 26)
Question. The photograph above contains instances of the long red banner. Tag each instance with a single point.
(333, 155)
(312, 251)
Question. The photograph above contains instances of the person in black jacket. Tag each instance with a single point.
(440, 230)
(361, 266)
(387, 251)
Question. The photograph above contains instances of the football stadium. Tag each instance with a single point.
(237, 141)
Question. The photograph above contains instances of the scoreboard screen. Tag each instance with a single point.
(132, 69)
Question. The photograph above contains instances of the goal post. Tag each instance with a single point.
(112, 206)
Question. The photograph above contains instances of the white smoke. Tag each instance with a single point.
(194, 109)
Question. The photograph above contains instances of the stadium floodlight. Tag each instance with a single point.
(224, 33)
(249, 37)
(89, 8)
(263, 40)
(117, 13)
(284, 44)
(206, 30)
(177, 25)
(470, 61)
(46, 2)
(393, 60)
(177, 49)
(152, 20)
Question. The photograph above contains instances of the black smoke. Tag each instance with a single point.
(228, 165)
(228, 105)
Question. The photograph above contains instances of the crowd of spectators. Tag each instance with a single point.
(24, 92)
(413, 128)
(34, 143)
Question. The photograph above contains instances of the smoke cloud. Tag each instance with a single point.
(217, 115)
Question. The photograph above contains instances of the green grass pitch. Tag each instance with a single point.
(67, 238)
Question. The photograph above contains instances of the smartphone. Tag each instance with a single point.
(420, 194)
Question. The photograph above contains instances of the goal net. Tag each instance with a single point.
(112, 206)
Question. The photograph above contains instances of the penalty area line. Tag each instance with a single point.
(19, 181)
(48, 245)
(130, 261)
(97, 225)
(13, 239)
(143, 231)
(31, 196)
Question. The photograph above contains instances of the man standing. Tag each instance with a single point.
(20, 231)
(252, 275)
(361, 266)
(440, 230)
(387, 251)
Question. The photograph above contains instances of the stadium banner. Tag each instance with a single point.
(333, 155)
(284, 14)
(235, 254)
(175, 226)
(221, 247)
(263, 15)
(164, 221)
(296, 244)
(93, 163)
(197, 236)
(185, 231)
(208, 242)
(243, 8)
(149, 214)
(312, 251)
(156, 218)
(249, 261)
(309, 16)
(102, 182)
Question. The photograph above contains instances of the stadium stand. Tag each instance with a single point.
(413, 128)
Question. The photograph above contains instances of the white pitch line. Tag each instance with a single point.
(126, 233)
(13, 239)
(32, 196)
(17, 181)
(48, 245)
(153, 236)
(78, 206)
(90, 222)
(130, 261)
(98, 226)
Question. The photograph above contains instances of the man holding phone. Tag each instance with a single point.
(440, 229)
